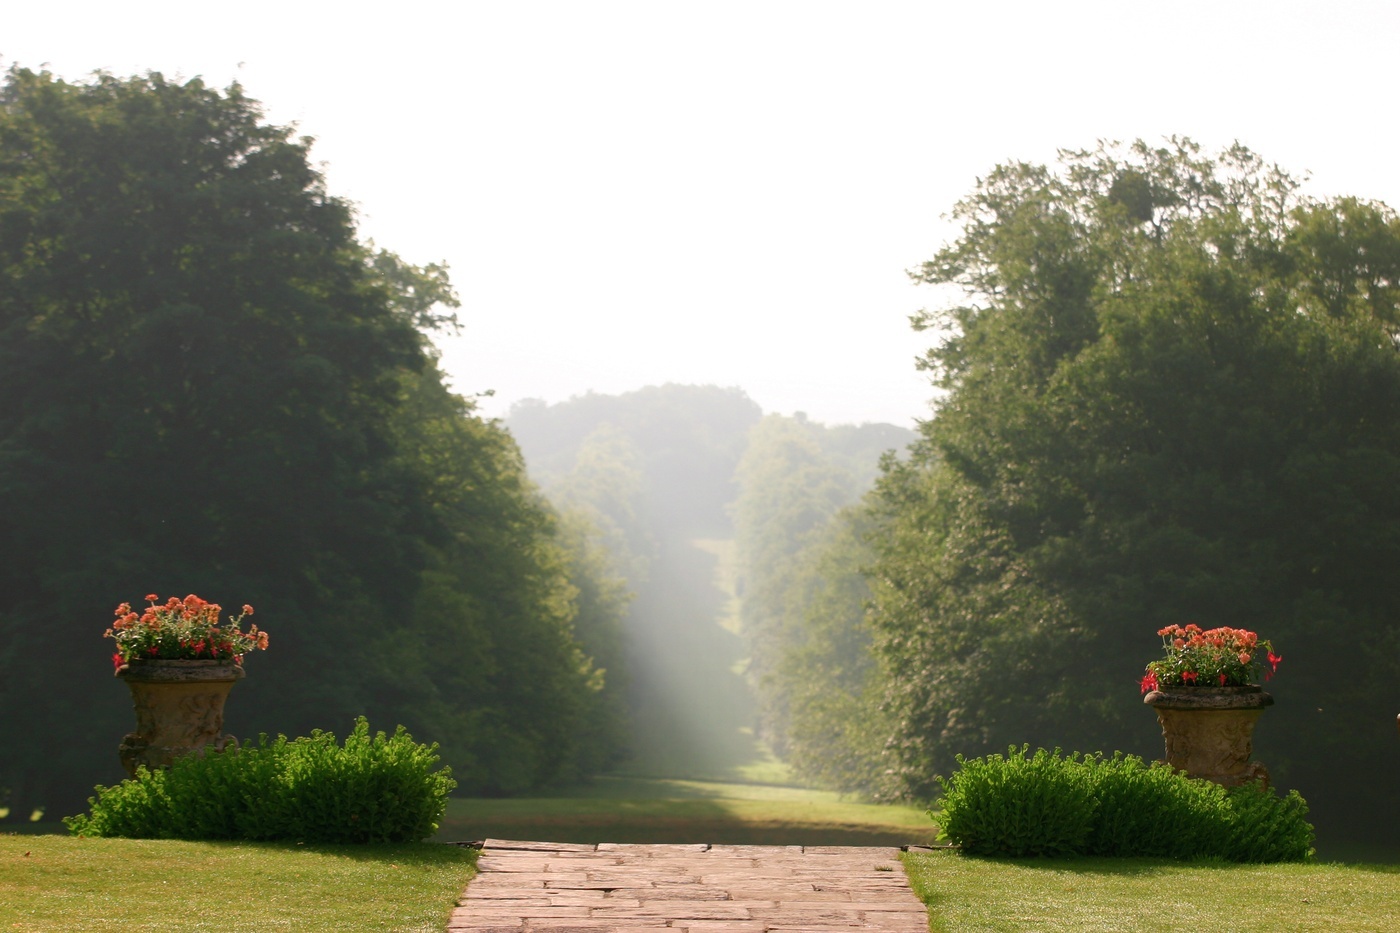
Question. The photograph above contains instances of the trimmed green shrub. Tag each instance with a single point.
(374, 788)
(1265, 827)
(1152, 810)
(1048, 805)
(1019, 806)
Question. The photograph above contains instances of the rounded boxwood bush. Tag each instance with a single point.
(373, 788)
(1049, 804)
(1018, 805)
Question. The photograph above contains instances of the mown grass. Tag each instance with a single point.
(980, 894)
(652, 811)
(62, 883)
(52, 883)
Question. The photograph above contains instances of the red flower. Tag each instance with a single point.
(117, 661)
(1188, 677)
(1222, 680)
(1149, 682)
(1274, 659)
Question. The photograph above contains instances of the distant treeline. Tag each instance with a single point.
(654, 471)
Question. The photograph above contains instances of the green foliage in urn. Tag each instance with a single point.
(178, 629)
(1218, 657)
(372, 788)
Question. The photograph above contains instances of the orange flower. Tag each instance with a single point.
(181, 628)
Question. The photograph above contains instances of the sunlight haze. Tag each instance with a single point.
(730, 193)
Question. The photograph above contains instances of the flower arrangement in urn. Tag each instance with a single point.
(181, 630)
(1218, 657)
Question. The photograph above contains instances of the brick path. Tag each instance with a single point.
(545, 887)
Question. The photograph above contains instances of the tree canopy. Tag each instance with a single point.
(799, 552)
(211, 385)
(1169, 395)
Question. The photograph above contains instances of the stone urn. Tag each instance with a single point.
(179, 709)
(1209, 731)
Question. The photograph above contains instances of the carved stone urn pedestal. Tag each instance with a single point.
(179, 709)
(1209, 731)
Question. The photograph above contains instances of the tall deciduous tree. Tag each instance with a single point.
(1171, 395)
(209, 384)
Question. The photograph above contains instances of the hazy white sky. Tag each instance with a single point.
(729, 193)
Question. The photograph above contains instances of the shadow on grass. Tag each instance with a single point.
(400, 854)
(1132, 867)
(41, 828)
(692, 819)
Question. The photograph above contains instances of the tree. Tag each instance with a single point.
(799, 553)
(829, 680)
(788, 492)
(1170, 395)
(209, 384)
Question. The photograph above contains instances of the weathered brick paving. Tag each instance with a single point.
(544, 887)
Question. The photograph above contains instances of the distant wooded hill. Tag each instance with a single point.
(702, 502)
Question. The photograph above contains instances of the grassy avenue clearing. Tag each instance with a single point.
(60, 883)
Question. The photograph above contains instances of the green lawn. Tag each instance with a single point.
(63, 883)
(648, 811)
(976, 894)
(55, 884)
